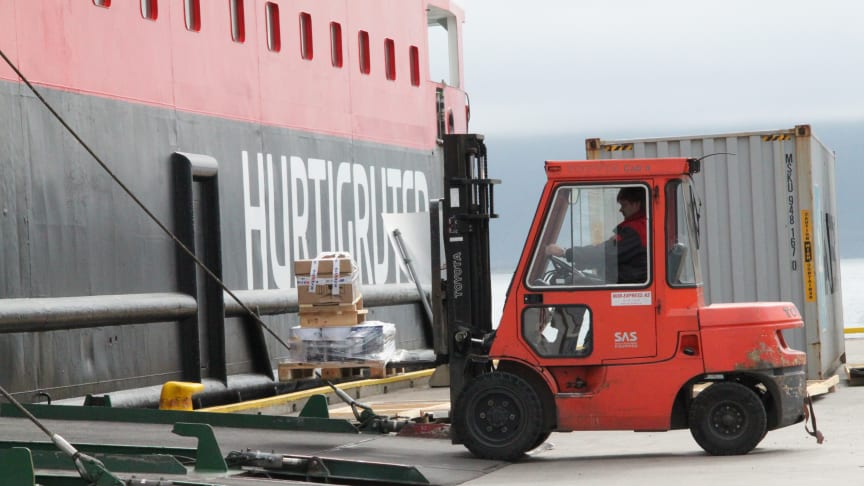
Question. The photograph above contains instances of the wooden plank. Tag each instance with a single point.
(814, 387)
(821, 387)
(334, 370)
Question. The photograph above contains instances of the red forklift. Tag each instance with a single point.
(581, 345)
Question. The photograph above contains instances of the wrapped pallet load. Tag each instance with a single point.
(332, 335)
(370, 341)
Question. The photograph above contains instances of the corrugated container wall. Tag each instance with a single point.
(769, 225)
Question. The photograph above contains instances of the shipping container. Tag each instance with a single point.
(769, 225)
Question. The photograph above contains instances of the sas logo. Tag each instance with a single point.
(626, 340)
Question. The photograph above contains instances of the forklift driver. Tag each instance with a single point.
(627, 247)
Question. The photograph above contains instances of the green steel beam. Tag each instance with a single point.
(326, 469)
(209, 456)
(117, 463)
(59, 479)
(316, 407)
(129, 450)
(151, 416)
(16, 467)
(341, 469)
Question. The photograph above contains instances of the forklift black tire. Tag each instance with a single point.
(500, 417)
(540, 440)
(728, 419)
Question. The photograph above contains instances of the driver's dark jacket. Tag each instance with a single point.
(626, 252)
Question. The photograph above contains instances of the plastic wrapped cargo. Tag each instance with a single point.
(370, 341)
(769, 225)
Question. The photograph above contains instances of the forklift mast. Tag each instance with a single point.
(461, 285)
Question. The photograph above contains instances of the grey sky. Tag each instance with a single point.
(559, 66)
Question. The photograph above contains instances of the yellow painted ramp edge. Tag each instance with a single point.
(302, 395)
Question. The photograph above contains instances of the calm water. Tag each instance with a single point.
(852, 278)
(851, 273)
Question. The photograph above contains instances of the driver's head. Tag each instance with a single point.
(631, 200)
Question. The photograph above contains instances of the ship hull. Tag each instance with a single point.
(68, 230)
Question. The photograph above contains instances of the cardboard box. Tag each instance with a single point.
(325, 266)
(323, 316)
(327, 280)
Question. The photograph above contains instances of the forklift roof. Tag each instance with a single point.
(615, 169)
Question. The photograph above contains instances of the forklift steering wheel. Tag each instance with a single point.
(560, 264)
(563, 270)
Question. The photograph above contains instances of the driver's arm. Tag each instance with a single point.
(591, 256)
(554, 250)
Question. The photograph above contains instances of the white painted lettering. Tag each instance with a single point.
(361, 217)
(331, 204)
(299, 185)
(394, 182)
(278, 227)
(317, 173)
(407, 186)
(382, 266)
(421, 192)
(343, 177)
(282, 274)
(256, 222)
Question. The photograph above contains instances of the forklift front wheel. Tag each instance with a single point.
(499, 416)
(728, 419)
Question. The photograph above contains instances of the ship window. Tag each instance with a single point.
(390, 59)
(363, 41)
(443, 50)
(336, 44)
(238, 21)
(414, 59)
(306, 36)
(102, 3)
(149, 9)
(274, 36)
(193, 15)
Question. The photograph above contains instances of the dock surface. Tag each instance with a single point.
(789, 455)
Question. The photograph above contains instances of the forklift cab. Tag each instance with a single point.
(598, 299)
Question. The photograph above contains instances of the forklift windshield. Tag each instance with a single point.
(594, 235)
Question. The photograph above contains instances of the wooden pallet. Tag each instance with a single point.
(821, 387)
(855, 374)
(814, 387)
(335, 370)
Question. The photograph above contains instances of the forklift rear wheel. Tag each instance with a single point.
(728, 419)
(500, 416)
